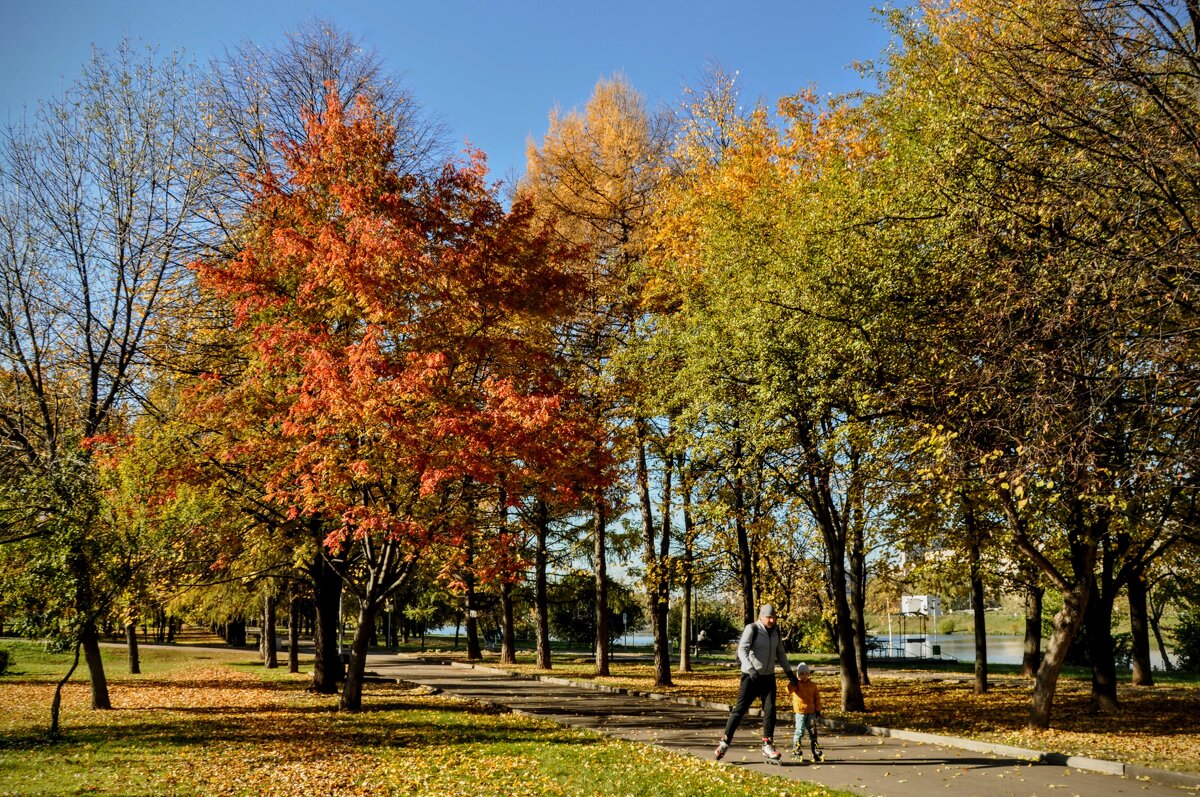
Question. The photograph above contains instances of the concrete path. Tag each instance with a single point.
(869, 765)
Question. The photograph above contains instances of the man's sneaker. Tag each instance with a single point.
(770, 752)
(722, 748)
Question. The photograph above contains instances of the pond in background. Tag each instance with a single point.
(1001, 649)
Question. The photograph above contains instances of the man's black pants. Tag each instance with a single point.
(753, 687)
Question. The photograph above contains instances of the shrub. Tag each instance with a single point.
(1187, 640)
(572, 609)
(810, 634)
(714, 619)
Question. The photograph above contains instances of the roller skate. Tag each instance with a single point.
(772, 755)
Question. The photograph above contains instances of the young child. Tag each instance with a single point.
(806, 703)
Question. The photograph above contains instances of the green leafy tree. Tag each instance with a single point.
(573, 610)
(104, 187)
(1032, 322)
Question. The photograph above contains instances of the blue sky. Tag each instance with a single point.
(491, 70)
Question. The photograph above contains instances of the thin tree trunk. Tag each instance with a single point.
(474, 650)
(686, 620)
(1139, 626)
(351, 700)
(1156, 611)
(685, 616)
(601, 563)
(131, 640)
(974, 541)
(979, 611)
(834, 534)
(1098, 617)
(745, 558)
(655, 575)
(508, 645)
(294, 635)
(1031, 655)
(56, 703)
(269, 648)
(540, 599)
(858, 602)
(851, 687)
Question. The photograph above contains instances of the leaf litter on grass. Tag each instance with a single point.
(216, 730)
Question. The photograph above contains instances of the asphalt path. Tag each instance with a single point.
(919, 766)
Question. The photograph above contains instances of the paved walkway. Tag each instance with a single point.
(869, 765)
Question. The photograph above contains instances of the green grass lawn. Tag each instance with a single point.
(211, 722)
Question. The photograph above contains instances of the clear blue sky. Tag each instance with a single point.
(491, 70)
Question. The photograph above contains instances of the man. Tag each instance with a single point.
(759, 648)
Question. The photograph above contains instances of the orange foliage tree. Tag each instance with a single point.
(397, 350)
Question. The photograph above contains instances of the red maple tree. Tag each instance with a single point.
(398, 350)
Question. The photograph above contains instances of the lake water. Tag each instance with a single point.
(1001, 649)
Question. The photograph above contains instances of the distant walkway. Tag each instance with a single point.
(870, 765)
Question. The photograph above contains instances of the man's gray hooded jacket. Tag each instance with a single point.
(758, 651)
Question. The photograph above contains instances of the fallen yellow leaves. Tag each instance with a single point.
(1158, 726)
(218, 730)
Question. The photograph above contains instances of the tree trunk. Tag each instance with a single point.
(602, 646)
(655, 567)
(269, 649)
(745, 557)
(294, 635)
(235, 633)
(858, 602)
(1066, 625)
(686, 632)
(834, 534)
(1139, 626)
(980, 619)
(91, 652)
(508, 644)
(474, 651)
(852, 693)
(685, 615)
(540, 599)
(1031, 656)
(131, 640)
(1156, 612)
(56, 703)
(352, 690)
(1098, 617)
(327, 593)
